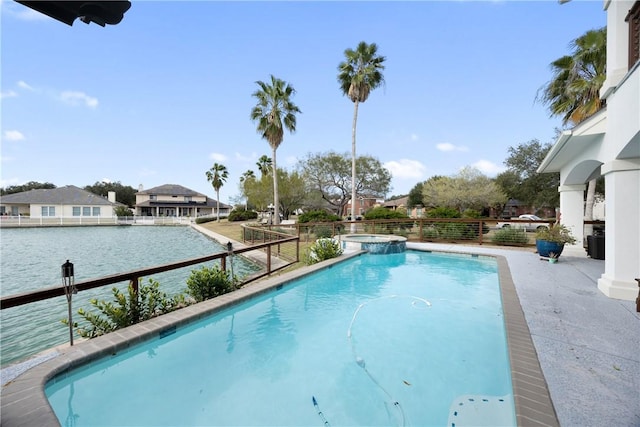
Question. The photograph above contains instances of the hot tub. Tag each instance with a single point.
(373, 243)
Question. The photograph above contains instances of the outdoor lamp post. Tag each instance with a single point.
(69, 289)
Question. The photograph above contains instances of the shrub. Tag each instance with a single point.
(510, 236)
(122, 211)
(442, 212)
(209, 282)
(430, 233)
(204, 219)
(323, 231)
(240, 214)
(383, 213)
(318, 216)
(126, 309)
(321, 250)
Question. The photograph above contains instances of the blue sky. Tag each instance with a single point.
(160, 97)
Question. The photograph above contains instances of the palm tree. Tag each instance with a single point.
(217, 176)
(274, 110)
(264, 164)
(244, 179)
(574, 91)
(359, 74)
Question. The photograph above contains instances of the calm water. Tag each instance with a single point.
(378, 340)
(31, 259)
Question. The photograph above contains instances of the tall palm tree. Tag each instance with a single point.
(273, 112)
(217, 176)
(264, 164)
(244, 179)
(574, 90)
(359, 74)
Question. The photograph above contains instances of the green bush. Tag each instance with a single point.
(510, 236)
(209, 282)
(321, 250)
(126, 309)
(380, 212)
(204, 219)
(318, 216)
(430, 233)
(442, 212)
(122, 211)
(240, 214)
(323, 231)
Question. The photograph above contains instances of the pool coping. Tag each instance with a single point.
(24, 403)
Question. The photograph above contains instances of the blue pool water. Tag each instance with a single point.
(413, 338)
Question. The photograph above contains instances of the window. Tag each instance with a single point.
(76, 211)
(187, 199)
(86, 211)
(633, 18)
(152, 196)
(96, 211)
(48, 211)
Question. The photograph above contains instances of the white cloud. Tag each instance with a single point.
(23, 85)
(406, 169)
(290, 160)
(217, 157)
(23, 13)
(78, 98)
(414, 137)
(12, 135)
(8, 94)
(251, 158)
(487, 167)
(445, 146)
(106, 180)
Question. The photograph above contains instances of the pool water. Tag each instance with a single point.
(413, 338)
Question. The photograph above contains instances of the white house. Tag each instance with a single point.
(608, 144)
(68, 201)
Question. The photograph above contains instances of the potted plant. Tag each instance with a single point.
(552, 240)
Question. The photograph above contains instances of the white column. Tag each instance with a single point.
(572, 210)
(622, 233)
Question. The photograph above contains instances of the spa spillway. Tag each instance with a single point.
(373, 243)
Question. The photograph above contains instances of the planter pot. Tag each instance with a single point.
(545, 247)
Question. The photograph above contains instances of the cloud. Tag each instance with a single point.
(23, 85)
(146, 172)
(487, 167)
(106, 180)
(22, 13)
(8, 94)
(290, 160)
(217, 157)
(406, 169)
(445, 146)
(251, 158)
(414, 137)
(12, 135)
(78, 98)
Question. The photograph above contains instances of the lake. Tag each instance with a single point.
(31, 259)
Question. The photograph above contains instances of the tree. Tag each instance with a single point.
(246, 176)
(415, 196)
(264, 164)
(273, 112)
(217, 176)
(125, 194)
(328, 174)
(469, 189)
(574, 90)
(292, 191)
(31, 185)
(359, 74)
(522, 181)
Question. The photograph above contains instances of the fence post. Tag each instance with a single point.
(269, 259)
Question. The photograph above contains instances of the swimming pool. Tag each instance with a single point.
(404, 339)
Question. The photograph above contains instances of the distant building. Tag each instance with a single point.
(176, 200)
(67, 201)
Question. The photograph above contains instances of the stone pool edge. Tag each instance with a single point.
(24, 403)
